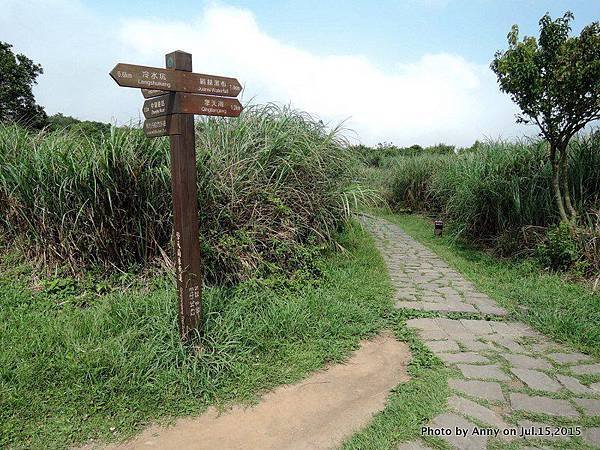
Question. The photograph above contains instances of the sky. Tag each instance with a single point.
(405, 72)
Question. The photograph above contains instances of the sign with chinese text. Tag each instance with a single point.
(183, 103)
(174, 95)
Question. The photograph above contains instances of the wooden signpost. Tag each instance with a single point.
(173, 98)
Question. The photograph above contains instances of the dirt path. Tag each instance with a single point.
(317, 413)
(505, 375)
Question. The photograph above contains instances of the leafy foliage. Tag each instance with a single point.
(89, 128)
(560, 250)
(555, 81)
(18, 74)
(385, 153)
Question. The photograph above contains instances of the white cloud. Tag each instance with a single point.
(76, 49)
(440, 97)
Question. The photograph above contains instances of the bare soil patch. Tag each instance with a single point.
(318, 412)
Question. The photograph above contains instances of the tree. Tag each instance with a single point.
(555, 81)
(18, 74)
(89, 128)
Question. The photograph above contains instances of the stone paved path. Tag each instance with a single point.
(505, 376)
(422, 279)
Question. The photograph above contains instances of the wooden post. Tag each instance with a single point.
(185, 213)
(176, 94)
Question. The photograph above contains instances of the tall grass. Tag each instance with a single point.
(269, 183)
(500, 192)
(411, 178)
(83, 200)
(506, 186)
(503, 186)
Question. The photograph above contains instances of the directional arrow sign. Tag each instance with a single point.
(182, 103)
(130, 75)
(163, 126)
(149, 93)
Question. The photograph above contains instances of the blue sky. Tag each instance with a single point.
(411, 71)
(384, 30)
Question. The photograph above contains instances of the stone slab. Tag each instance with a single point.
(526, 362)
(537, 380)
(573, 385)
(543, 405)
(589, 405)
(491, 310)
(451, 421)
(479, 412)
(463, 357)
(508, 343)
(434, 335)
(488, 390)
(484, 372)
(453, 327)
(423, 324)
(586, 369)
(591, 436)
(474, 345)
(568, 358)
(477, 327)
(443, 346)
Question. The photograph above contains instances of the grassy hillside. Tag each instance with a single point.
(272, 184)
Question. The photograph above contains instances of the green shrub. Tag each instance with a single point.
(269, 182)
(440, 149)
(91, 129)
(385, 154)
(561, 249)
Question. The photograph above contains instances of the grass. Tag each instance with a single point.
(497, 186)
(568, 312)
(499, 194)
(68, 374)
(270, 183)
